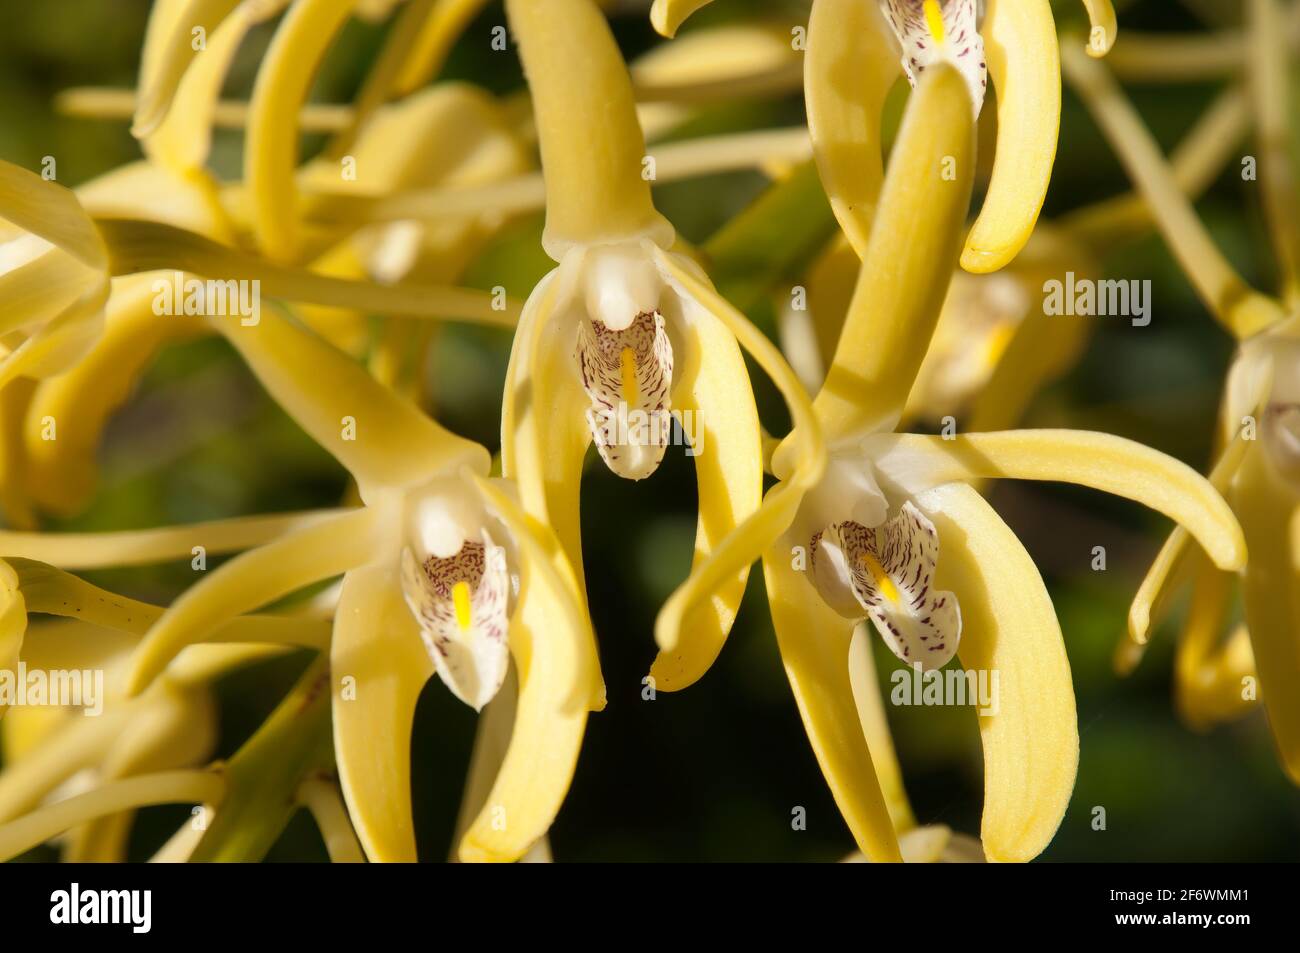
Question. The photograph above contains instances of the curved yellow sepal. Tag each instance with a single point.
(909, 260)
(1031, 743)
(814, 643)
(1104, 27)
(712, 384)
(667, 16)
(875, 727)
(254, 579)
(378, 667)
(271, 146)
(445, 23)
(139, 246)
(805, 445)
(1024, 65)
(544, 435)
(553, 651)
(167, 787)
(136, 547)
(1097, 460)
(1212, 676)
(181, 140)
(62, 474)
(849, 68)
(1271, 598)
(591, 143)
(383, 440)
(1162, 579)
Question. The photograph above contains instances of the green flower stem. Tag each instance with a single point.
(263, 777)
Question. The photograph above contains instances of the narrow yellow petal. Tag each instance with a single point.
(1272, 599)
(253, 579)
(168, 787)
(1101, 461)
(1210, 677)
(875, 727)
(439, 32)
(138, 547)
(1031, 743)
(171, 46)
(1162, 579)
(544, 436)
(139, 246)
(591, 143)
(1104, 29)
(183, 138)
(70, 746)
(751, 537)
(815, 649)
(666, 16)
(44, 208)
(712, 384)
(553, 651)
(849, 68)
(909, 260)
(1024, 65)
(496, 724)
(62, 474)
(271, 147)
(1234, 304)
(383, 440)
(378, 667)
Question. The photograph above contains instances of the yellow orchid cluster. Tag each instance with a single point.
(446, 559)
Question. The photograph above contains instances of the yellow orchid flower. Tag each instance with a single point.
(864, 539)
(625, 334)
(1255, 442)
(441, 571)
(56, 746)
(1014, 43)
(995, 347)
(242, 805)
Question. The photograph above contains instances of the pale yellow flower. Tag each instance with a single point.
(1255, 442)
(903, 539)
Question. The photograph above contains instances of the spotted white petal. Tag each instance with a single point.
(931, 31)
(462, 605)
(889, 569)
(628, 375)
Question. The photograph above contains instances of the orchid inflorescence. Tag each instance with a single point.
(445, 559)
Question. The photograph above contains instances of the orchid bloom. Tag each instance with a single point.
(995, 346)
(892, 532)
(856, 52)
(140, 752)
(626, 332)
(52, 752)
(1256, 456)
(442, 572)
